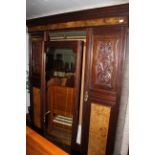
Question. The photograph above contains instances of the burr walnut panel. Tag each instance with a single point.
(98, 130)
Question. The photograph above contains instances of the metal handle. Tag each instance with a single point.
(46, 113)
(86, 96)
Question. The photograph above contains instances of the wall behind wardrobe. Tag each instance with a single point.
(27, 69)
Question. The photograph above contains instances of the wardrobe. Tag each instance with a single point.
(76, 65)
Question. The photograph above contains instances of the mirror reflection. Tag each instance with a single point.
(60, 84)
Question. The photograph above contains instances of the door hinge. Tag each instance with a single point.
(86, 96)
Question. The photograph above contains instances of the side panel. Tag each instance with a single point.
(36, 66)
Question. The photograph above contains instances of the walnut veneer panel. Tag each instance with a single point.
(37, 145)
(36, 107)
(82, 23)
(98, 130)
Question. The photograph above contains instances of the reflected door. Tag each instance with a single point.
(63, 74)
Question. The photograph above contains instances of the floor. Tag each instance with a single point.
(59, 136)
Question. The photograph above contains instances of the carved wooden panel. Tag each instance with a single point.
(36, 57)
(98, 130)
(104, 64)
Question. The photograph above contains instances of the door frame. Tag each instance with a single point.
(77, 46)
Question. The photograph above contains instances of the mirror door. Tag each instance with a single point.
(63, 80)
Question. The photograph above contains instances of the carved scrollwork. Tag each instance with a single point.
(104, 63)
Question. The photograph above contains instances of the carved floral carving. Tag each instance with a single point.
(104, 63)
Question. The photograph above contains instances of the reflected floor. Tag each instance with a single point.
(61, 137)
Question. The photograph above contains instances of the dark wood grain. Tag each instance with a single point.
(35, 57)
(79, 50)
(86, 107)
(115, 109)
(116, 20)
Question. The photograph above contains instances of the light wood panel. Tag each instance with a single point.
(61, 100)
(37, 145)
(82, 83)
(98, 130)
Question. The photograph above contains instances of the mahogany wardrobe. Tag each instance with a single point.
(76, 63)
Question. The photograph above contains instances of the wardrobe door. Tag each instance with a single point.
(63, 83)
(36, 61)
(102, 89)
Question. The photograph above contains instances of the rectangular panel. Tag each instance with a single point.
(36, 57)
(82, 23)
(105, 62)
(98, 129)
(36, 107)
(61, 100)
